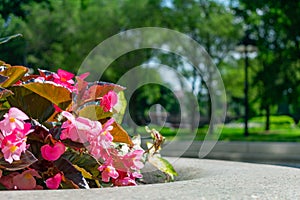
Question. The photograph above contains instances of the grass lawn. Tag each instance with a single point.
(287, 134)
(281, 131)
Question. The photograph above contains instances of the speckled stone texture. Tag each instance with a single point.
(198, 179)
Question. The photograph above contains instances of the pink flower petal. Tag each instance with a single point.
(16, 113)
(53, 183)
(69, 116)
(109, 100)
(65, 74)
(52, 153)
(84, 75)
(57, 109)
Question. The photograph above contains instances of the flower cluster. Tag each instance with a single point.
(14, 134)
(58, 131)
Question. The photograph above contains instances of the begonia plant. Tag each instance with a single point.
(59, 131)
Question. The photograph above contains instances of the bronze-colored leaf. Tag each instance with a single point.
(32, 104)
(94, 112)
(99, 89)
(120, 135)
(26, 160)
(54, 93)
(2, 63)
(29, 77)
(14, 74)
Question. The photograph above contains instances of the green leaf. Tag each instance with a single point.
(26, 160)
(83, 160)
(56, 94)
(32, 104)
(14, 74)
(71, 173)
(6, 39)
(163, 165)
(94, 112)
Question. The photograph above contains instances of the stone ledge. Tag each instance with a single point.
(238, 151)
(199, 179)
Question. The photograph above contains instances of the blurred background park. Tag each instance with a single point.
(254, 44)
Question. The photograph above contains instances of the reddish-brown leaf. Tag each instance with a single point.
(120, 135)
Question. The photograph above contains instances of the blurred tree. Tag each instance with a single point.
(15, 7)
(273, 24)
(60, 34)
(211, 24)
(12, 52)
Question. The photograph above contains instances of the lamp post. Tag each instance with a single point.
(246, 46)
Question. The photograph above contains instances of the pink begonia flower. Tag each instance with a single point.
(79, 129)
(132, 160)
(108, 101)
(13, 119)
(64, 78)
(52, 153)
(53, 183)
(13, 145)
(101, 141)
(125, 179)
(108, 171)
(26, 180)
(105, 138)
(125, 182)
(136, 175)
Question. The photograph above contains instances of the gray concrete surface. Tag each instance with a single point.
(268, 152)
(198, 179)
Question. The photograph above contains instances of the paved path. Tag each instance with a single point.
(285, 153)
(199, 179)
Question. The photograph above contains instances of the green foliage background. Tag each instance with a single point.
(60, 34)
